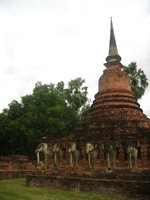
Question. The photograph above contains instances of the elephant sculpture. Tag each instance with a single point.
(92, 152)
(74, 154)
(131, 150)
(42, 148)
(110, 150)
(58, 150)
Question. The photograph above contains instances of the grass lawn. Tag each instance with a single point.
(16, 189)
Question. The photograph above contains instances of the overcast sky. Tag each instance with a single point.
(60, 40)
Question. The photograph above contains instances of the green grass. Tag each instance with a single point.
(16, 189)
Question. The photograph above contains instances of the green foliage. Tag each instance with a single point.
(139, 81)
(51, 111)
(76, 95)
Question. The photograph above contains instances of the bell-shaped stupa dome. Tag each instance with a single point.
(115, 111)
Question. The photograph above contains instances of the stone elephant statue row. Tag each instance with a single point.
(110, 151)
(58, 152)
(92, 151)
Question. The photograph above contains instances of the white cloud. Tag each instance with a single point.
(54, 40)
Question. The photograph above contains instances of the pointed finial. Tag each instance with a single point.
(113, 51)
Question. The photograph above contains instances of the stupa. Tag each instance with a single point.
(115, 113)
(99, 155)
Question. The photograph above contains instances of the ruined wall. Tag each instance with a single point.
(106, 184)
(17, 166)
(16, 162)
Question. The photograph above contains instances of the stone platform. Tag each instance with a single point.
(131, 184)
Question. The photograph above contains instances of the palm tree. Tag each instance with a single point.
(139, 81)
(77, 94)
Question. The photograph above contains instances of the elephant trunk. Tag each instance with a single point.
(55, 159)
(89, 160)
(38, 158)
(108, 162)
(130, 161)
(71, 160)
(135, 159)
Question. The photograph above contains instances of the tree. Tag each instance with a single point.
(139, 81)
(49, 111)
(76, 94)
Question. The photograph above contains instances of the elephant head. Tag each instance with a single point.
(110, 151)
(58, 152)
(131, 150)
(92, 152)
(72, 147)
(74, 154)
(42, 147)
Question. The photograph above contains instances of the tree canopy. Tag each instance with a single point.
(51, 111)
(139, 81)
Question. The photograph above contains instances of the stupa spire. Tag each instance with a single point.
(113, 55)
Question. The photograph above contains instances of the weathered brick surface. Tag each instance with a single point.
(16, 162)
(114, 78)
(9, 174)
(17, 166)
(105, 185)
(115, 116)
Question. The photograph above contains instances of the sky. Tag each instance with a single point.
(60, 40)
